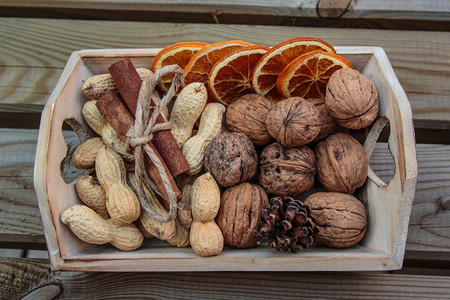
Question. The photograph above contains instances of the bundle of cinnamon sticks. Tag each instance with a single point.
(120, 108)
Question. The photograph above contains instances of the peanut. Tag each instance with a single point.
(92, 194)
(95, 86)
(88, 226)
(158, 229)
(205, 236)
(210, 126)
(186, 110)
(181, 236)
(121, 202)
(84, 156)
(102, 127)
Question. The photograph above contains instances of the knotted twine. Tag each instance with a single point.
(142, 133)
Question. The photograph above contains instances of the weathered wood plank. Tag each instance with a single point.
(20, 220)
(362, 9)
(35, 51)
(430, 217)
(429, 224)
(20, 277)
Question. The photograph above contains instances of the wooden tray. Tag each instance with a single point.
(388, 207)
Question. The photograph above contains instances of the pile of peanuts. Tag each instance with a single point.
(112, 212)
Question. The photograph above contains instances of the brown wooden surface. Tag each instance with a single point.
(34, 52)
(22, 276)
(415, 36)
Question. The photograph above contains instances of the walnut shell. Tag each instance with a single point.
(293, 122)
(351, 98)
(231, 158)
(341, 162)
(341, 219)
(240, 213)
(328, 124)
(287, 171)
(247, 115)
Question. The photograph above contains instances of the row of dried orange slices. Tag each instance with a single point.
(297, 67)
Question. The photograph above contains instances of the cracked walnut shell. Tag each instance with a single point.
(293, 122)
(247, 115)
(341, 219)
(287, 171)
(342, 163)
(351, 99)
(231, 158)
(240, 212)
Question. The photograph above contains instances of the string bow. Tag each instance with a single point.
(142, 133)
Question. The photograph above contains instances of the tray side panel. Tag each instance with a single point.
(389, 207)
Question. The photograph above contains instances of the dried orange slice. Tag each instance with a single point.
(230, 77)
(266, 72)
(201, 63)
(177, 54)
(307, 76)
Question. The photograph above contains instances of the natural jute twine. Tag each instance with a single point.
(142, 133)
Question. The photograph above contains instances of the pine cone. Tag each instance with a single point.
(287, 225)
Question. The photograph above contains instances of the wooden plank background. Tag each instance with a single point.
(415, 35)
(34, 52)
(361, 9)
(19, 275)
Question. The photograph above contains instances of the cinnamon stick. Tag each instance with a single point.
(128, 83)
(112, 107)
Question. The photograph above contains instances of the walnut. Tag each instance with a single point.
(341, 162)
(231, 158)
(328, 125)
(240, 214)
(247, 115)
(341, 219)
(287, 171)
(293, 122)
(351, 99)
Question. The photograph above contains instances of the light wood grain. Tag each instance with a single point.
(21, 276)
(20, 220)
(430, 217)
(367, 9)
(35, 51)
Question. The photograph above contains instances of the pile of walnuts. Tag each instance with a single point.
(284, 148)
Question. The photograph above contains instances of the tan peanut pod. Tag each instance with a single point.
(181, 236)
(205, 198)
(210, 126)
(88, 226)
(205, 236)
(145, 233)
(158, 229)
(96, 86)
(126, 237)
(121, 202)
(84, 156)
(186, 110)
(102, 127)
(92, 194)
(185, 212)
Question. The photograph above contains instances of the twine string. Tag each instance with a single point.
(142, 133)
